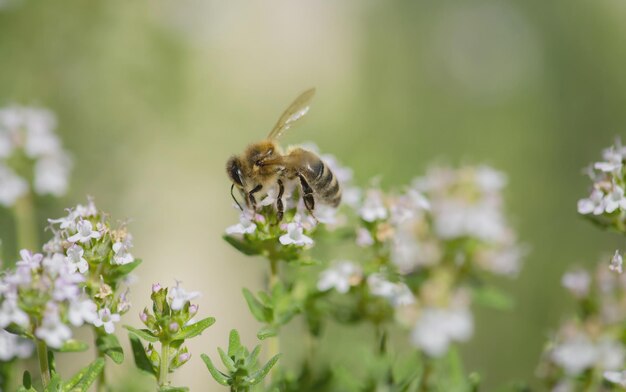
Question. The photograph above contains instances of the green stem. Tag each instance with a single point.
(26, 227)
(44, 367)
(425, 381)
(101, 387)
(165, 361)
(273, 345)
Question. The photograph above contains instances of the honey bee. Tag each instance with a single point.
(263, 164)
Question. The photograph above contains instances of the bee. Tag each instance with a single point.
(263, 164)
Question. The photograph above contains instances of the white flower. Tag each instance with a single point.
(594, 204)
(76, 260)
(67, 222)
(577, 282)
(373, 206)
(55, 264)
(179, 296)
(364, 238)
(398, 294)
(614, 161)
(107, 319)
(610, 354)
(341, 276)
(6, 144)
(616, 377)
(84, 233)
(615, 200)
(82, 311)
(489, 180)
(616, 263)
(10, 312)
(12, 186)
(121, 252)
(30, 260)
(245, 226)
(295, 235)
(52, 174)
(12, 346)
(52, 330)
(575, 355)
(436, 329)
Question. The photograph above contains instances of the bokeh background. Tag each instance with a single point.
(152, 97)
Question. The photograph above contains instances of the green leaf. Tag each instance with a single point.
(194, 329)
(27, 384)
(243, 246)
(72, 346)
(266, 332)
(218, 376)
(124, 269)
(252, 358)
(227, 361)
(139, 353)
(17, 330)
(260, 312)
(169, 388)
(142, 333)
(110, 346)
(55, 383)
(234, 343)
(84, 377)
(492, 298)
(260, 374)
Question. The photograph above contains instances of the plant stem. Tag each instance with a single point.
(273, 345)
(425, 381)
(44, 367)
(165, 361)
(101, 387)
(26, 226)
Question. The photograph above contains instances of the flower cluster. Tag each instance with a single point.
(74, 281)
(30, 154)
(13, 346)
(606, 204)
(590, 343)
(170, 323)
(448, 227)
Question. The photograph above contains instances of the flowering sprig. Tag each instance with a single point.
(31, 155)
(170, 323)
(606, 203)
(242, 368)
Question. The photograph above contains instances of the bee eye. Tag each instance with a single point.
(259, 163)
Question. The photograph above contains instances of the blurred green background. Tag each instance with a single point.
(152, 98)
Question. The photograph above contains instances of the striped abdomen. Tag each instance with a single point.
(317, 175)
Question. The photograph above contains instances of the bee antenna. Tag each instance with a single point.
(232, 187)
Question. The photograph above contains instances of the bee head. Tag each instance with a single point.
(234, 171)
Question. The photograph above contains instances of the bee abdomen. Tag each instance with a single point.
(324, 183)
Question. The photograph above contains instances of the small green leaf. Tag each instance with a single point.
(260, 312)
(260, 374)
(194, 329)
(169, 388)
(124, 269)
(220, 377)
(142, 333)
(55, 383)
(17, 330)
(492, 298)
(109, 345)
(266, 332)
(242, 245)
(139, 353)
(89, 375)
(309, 262)
(27, 383)
(234, 343)
(227, 361)
(72, 346)
(252, 358)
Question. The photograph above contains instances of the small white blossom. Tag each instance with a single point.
(52, 174)
(30, 260)
(106, 319)
(295, 236)
(52, 330)
(76, 260)
(12, 186)
(341, 276)
(121, 251)
(55, 264)
(616, 263)
(82, 311)
(575, 355)
(10, 312)
(398, 294)
(13, 346)
(245, 226)
(577, 282)
(84, 233)
(436, 329)
(614, 161)
(373, 206)
(594, 204)
(179, 296)
(615, 200)
(616, 377)
(364, 238)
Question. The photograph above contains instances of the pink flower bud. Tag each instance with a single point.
(174, 327)
(156, 287)
(184, 357)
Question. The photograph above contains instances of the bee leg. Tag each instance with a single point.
(307, 196)
(251, 196)
(280, 208)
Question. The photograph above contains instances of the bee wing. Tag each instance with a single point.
(294, 112)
